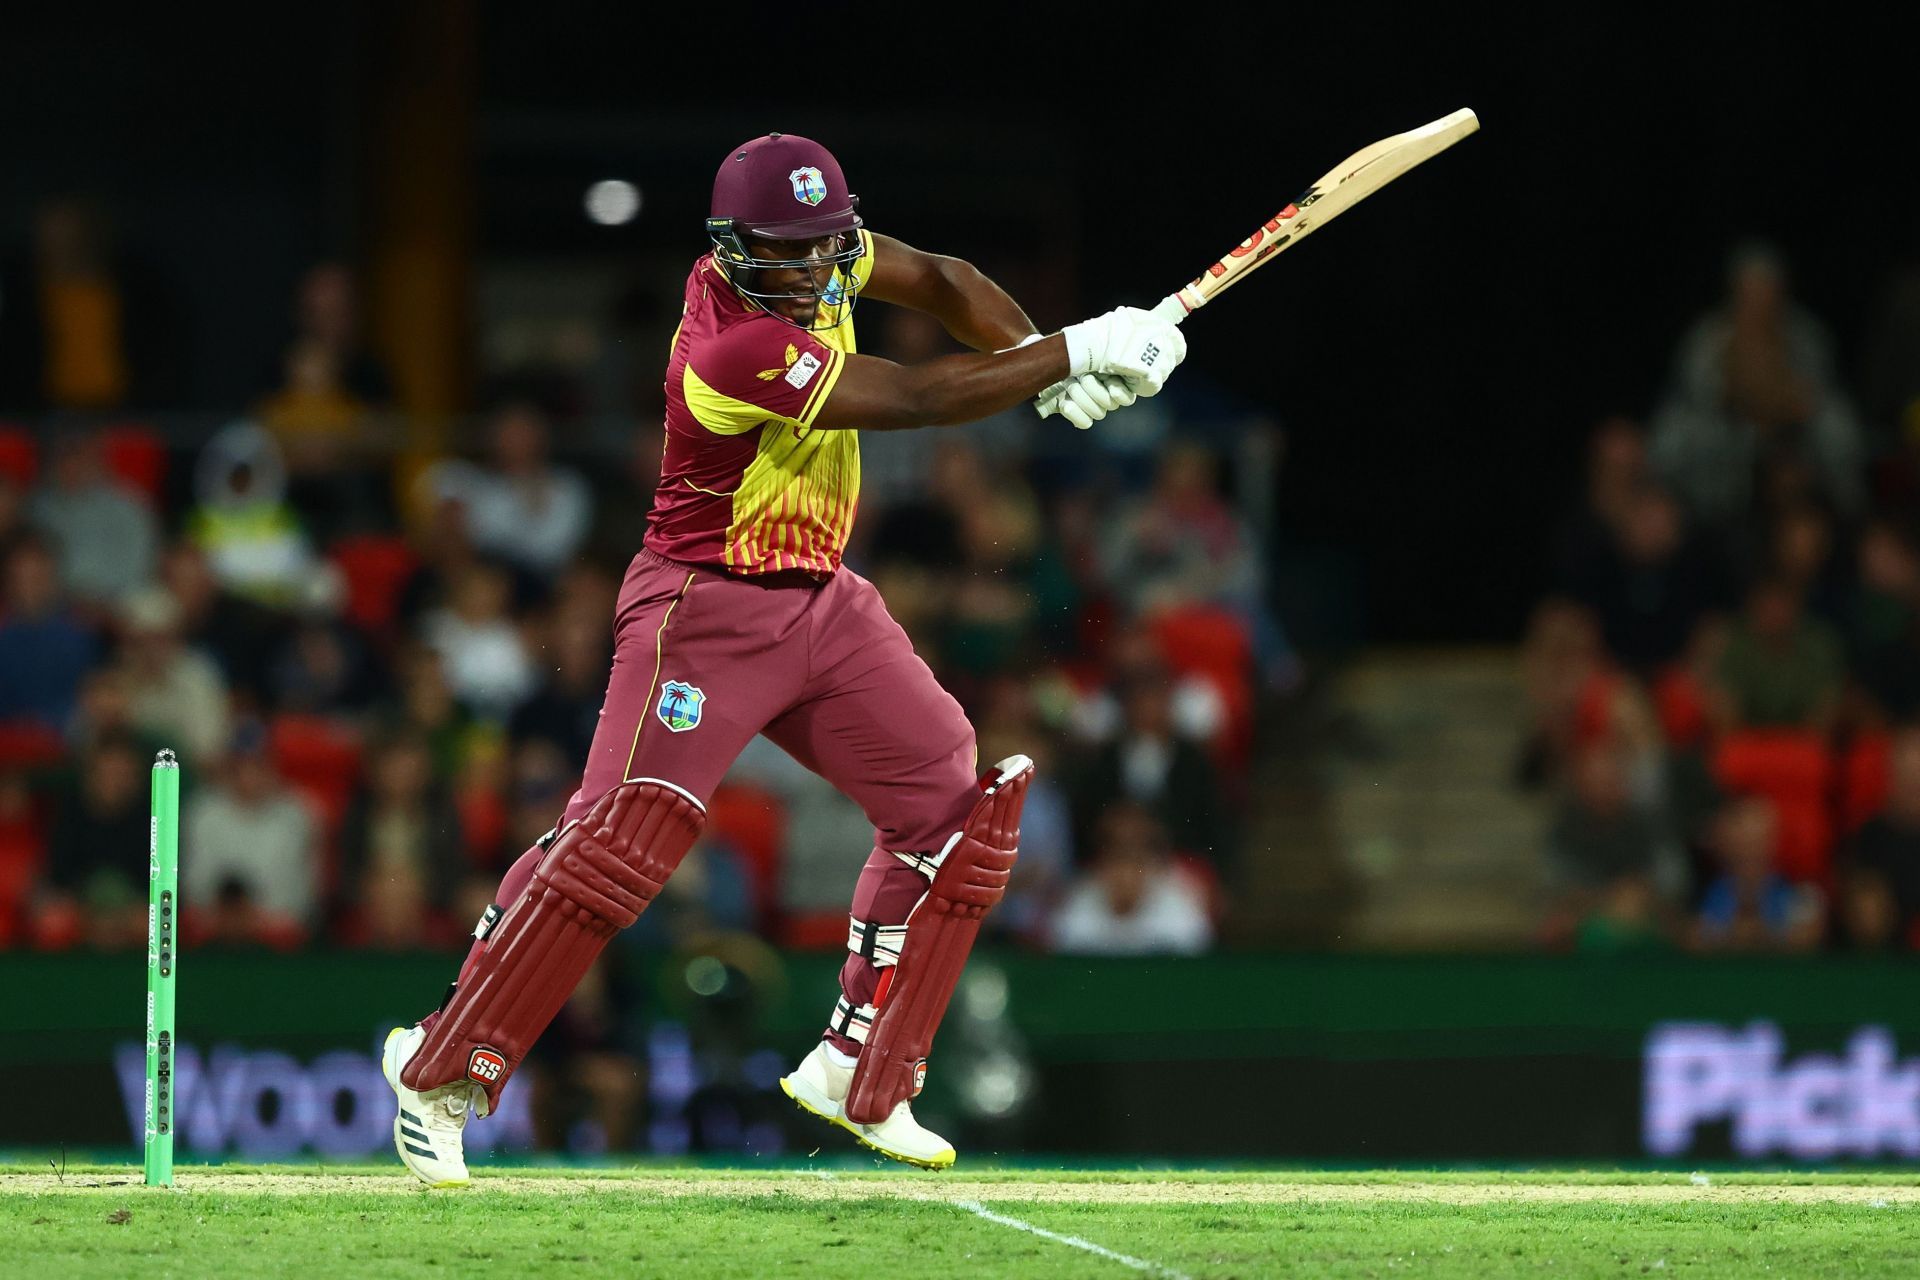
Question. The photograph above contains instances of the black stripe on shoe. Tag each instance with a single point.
(415, 1134)
(421, 1151)
(408, 1116)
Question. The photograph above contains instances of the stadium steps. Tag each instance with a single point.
(1443, 848)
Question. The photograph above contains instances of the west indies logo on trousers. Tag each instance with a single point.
(680, 706)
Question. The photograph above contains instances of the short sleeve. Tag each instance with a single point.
(758, 370)
(863, 270)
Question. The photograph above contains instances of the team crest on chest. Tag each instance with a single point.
(680, 706)
(808, 186)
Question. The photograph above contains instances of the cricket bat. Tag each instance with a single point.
(1353, 180)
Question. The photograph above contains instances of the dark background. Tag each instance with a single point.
(1436, 360)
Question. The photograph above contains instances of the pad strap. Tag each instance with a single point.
(971, 877)
(878, 944)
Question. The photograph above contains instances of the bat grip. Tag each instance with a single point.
(1170, 309)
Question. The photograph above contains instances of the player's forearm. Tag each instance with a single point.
(965, 388)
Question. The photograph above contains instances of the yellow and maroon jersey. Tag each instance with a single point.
(746, 483)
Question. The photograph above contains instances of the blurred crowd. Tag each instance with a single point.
(1725, 680)
(381, 673)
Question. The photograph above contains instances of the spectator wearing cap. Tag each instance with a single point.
(252, 537)
(107, 536)
(178, 695)
(45, 648)
(250, 859)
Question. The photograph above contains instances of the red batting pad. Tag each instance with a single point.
(971, 880)
(597, 878)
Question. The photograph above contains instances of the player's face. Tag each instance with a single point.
(802, 285)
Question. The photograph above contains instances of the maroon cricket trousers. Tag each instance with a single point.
(704, 660)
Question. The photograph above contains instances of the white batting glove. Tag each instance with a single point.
(1082, 399)
(1085, 398)
(1128, 342)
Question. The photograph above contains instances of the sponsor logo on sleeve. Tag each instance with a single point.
(803, 370)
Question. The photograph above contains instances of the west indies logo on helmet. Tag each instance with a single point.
(786, 189)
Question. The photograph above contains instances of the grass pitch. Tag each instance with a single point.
(338, 1222)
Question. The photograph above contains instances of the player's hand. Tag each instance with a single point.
(1085, 398)
(1130, 343)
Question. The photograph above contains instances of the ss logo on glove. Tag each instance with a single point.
(1148, 354)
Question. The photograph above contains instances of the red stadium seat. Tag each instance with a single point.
(484, 820)
(135, 455)
(1794, 770)
(26, 745)
(815, 931)
(1214, 644)
(319, 758)
(754, 822)
(376, 568)
(1864, 779)
(1681, 705)
(22, 854)
(19, 455)
(1594, 705)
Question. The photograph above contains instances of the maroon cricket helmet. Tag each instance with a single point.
(784, 187)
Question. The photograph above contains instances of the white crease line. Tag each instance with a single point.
(979, 1210)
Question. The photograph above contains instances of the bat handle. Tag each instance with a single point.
(1171, 309)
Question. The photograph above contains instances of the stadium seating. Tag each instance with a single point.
(22, 852)
(1681, 705)
(1214, 644)
(135, 455)
(1794, 770)
(376, 568)
(19, 455)
(321, 760)
(754, 822)
(26, 745)
(1863, 779)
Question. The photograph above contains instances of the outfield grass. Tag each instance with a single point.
(314, 1220)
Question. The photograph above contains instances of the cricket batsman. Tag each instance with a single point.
(737, 618)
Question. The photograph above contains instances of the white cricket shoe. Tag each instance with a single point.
(427, 1130)
(820, 1085)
